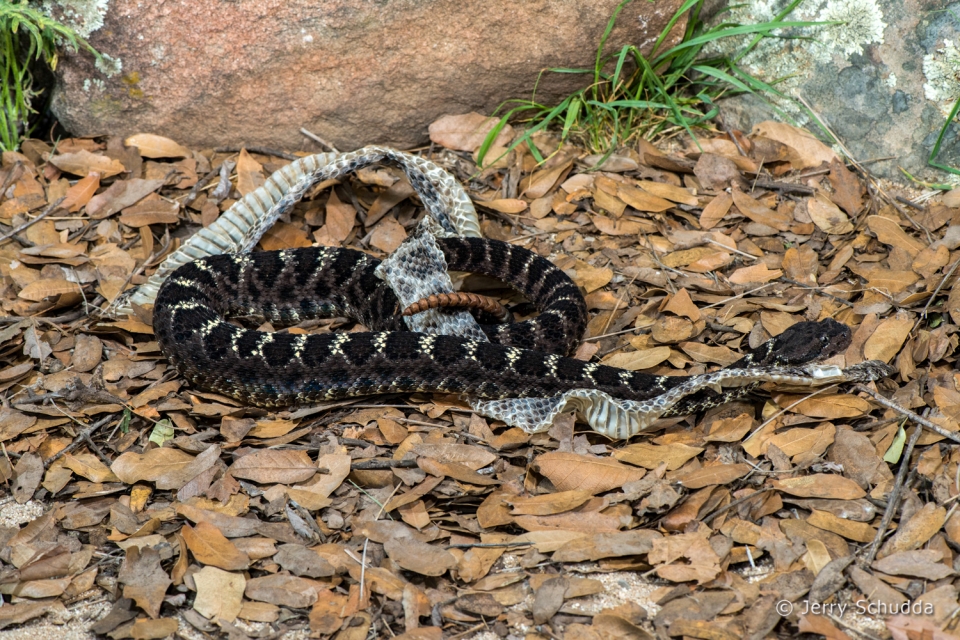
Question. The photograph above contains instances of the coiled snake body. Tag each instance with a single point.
(523, 372)
(285, 287)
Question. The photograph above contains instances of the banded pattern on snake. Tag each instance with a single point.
(522, 384)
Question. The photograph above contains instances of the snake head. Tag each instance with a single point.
(805, 342)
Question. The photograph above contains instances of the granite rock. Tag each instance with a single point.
(354, 72)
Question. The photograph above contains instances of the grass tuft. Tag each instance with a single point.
(632, 95)
(27, 37)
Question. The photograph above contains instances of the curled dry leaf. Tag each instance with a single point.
(913, 534)
(804, 150)
(715, 210)
(249, 173)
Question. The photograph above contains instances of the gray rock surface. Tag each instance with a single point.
(884, 81)
(354, 72)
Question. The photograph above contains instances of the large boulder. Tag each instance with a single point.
(354, 72)
(883, 75)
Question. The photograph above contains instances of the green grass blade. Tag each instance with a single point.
(936, 147)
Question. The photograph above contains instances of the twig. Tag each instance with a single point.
(785, 187)
(726, 248)
(464, 634)
(318, 139)
(937, 429)
(788, 407)
(197, 188)
(50, 209)
(83, 436)
(739, 295)
(735, 503)
(382, 465)
(819, 290)
(616, 333)
(363, 565)
(910, 203)
(893, 501)
(530, 235)
(623, 293)
(730, 134)
(264, 151)
(943, 281)
(488, 545)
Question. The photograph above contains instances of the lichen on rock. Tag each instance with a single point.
(83, 16)
(942, 70)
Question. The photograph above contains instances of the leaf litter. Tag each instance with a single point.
(171, 509)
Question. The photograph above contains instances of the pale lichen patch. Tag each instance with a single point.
(861, 24)
(83, 16)
(942, 73)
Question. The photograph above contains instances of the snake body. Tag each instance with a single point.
(515, 372)
(285, 287)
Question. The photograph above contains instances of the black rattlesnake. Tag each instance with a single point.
(524, 359)
(506, 380)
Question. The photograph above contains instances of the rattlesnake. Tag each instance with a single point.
(526, 387)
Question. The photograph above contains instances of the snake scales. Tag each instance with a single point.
(525, 361)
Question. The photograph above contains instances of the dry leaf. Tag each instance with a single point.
(652, 456)
(886, 340)
(83, 163)
(757, 212)
(143, 579)
(271, 465)
(210, 547)
(889, 232)
(828, 217)
(154, 146)
(636, 360)
(715, 474)
(820, 485)
(575, 472)
(79, 194)
(805, 150)
(642, 200)
(548, 503)
(40, 289)
(758, 273)
(249, 173)
(505, 205)
(466, 132)
(419, 557)
(916, 531)
(219, 593)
